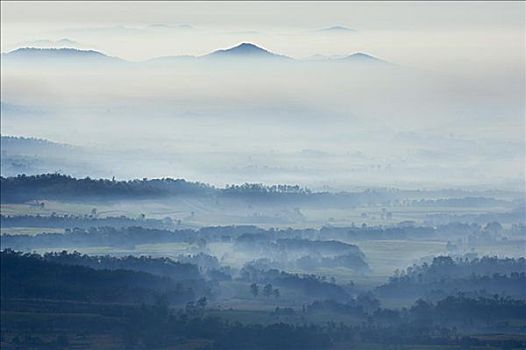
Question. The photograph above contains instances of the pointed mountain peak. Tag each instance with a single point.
(248, 47)
(245, 50)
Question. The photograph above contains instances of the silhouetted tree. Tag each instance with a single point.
(254, 289)
(267, 290)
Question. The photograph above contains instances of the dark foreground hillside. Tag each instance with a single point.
(49, 303)
(32, 276)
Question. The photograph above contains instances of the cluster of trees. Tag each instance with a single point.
(350, 261)
(309, 285)
(129, 236)
(118, 233)
(514, 217)
(363, 305)
(208, 265)
(94, 229)
(445, 323)
(126, 237)
(30, 144)
(83, 221)
(466, 312)
(475, 202)
(267, 291)
(260, 188)
(154, 328)
(85, 285)
(302, 253)
(460, 311)
(204, 261)
(410, 230)
(443, 267)
(331, 247)
(166, 267)
(196, 308)
(63, 277)
(23, 188)
(57, 186)
(446, 276)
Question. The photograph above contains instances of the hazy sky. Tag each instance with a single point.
(360, 15)
(427, 33)
(450, 111)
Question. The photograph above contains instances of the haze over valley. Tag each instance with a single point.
(263, 176)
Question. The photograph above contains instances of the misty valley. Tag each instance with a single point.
(257, 175)
(143, 264)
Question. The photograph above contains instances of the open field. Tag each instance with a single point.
(194, 212)
(29, 230)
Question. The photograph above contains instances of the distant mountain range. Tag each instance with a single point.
(49, 44)
(29, 52)
(243, 51)
(54, 54)
(355, 57)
